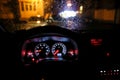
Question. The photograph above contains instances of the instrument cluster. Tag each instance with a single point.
(49, 48)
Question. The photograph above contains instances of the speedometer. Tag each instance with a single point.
(42, 50)
(59, 49)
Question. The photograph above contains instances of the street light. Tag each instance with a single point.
(81, 9)
(38, 15)
(69, 4)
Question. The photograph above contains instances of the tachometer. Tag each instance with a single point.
(59, 49)
(42, 50)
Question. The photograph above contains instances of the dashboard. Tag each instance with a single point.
(49, 47)
(48, 51)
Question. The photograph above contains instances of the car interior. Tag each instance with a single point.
(77, 48)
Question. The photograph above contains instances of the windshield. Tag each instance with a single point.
(69, 14)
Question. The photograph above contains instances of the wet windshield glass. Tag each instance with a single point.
(70, 14)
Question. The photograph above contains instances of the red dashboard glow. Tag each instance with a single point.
(107, 54)
(96, 42)
(23, 52)
(76, 51)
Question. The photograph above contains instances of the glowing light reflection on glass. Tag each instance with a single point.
(59, 38)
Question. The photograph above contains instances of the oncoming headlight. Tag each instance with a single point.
(67, 14)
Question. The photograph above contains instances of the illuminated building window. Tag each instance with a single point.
(34, 7)
(30, 7)
(22, 6)
(38, 2)
(26, 7)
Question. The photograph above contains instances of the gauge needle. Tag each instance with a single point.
(38, 50)
(56, 52)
